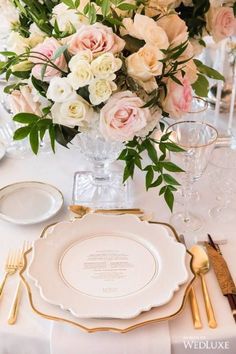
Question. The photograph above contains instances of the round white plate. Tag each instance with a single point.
(166, 312)
(26, 203)
(2, 150)
(108, 266)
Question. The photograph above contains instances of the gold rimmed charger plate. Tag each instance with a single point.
(155, 315)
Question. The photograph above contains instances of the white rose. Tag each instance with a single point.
(85, 55)
(67, 19)
(74, 112)
(104, 66)
(16, 43)
(59, 89)
(100, 90)
(81, 75)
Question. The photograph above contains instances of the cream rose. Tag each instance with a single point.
(145, 28)
(179, 97)
(123, 117)
(67, 19)
(221, 22)
(104, 66)
(23, 101)
(81, 75)
(45, 50)
(74, 112)
(97, 38)
(59, 89)
(85, 55)
(144, 65)
(100, 90)
(175, 28)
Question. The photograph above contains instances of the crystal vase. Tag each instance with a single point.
(102, 185)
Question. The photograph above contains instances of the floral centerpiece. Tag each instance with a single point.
(117, 66)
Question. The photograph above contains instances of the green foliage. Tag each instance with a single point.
(35, 128)
(157, 172)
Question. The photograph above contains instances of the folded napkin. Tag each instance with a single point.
(151, 339)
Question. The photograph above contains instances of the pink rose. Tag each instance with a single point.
(47, 49)
(123, 117)
(221, 22)
(179, 97)
(22, 101)
(97, 38)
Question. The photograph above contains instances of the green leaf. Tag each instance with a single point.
(41, 86)
(162, 190)
(172, 147)
(133, 44)
(234, 9)
(158, 182)
(22, 74)
(105, 7)
(34, 139)
(170, 180)
(170, 166)
(206, 70)
(149, 177)
(43, 70)
(176, 80)
(26, 118)
(69, 3)
(169, 198)
(8, 54)
(152, 153)
(201, 86)
(22, 133)
(127, 7)
(59, 51)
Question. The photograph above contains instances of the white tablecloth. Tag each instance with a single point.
(31, 334)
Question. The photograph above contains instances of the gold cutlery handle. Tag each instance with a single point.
(15, 306)
(195, 309)
(209, 309)
(3, 283)
(118, 211)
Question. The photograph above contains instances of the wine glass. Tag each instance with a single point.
(198, 140)
(197, 112)
(224, 162)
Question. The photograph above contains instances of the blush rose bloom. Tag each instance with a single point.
(23, 101)
(144, 65)
(179, 97)
(97, 38)
(123, 117)
(48, 49)
(221, 22)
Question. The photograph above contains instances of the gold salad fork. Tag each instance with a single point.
(11, 267)
(16, 302)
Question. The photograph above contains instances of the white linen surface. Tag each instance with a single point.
(154, 339)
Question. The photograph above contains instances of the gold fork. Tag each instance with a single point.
(11, 267)
(16, 302)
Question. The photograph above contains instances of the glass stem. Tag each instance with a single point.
(100, 172)
(187, 187)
